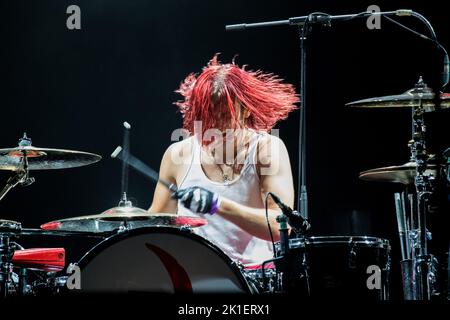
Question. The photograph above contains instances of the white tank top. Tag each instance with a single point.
(238, 244)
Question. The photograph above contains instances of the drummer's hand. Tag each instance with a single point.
(198, 199)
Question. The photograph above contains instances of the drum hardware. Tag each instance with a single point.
(351, 254)
(21, 175)
(49, 285)
(423, 263)
(413, 205)
(9, 231)
(6, 255)
(16, 261)
(265, 278)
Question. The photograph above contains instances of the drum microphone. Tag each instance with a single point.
(296, 220)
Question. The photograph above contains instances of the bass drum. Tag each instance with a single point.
(162, 260)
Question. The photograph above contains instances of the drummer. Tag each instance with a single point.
(229, 161)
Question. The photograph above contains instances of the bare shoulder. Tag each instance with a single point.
(179, 151)
(272, 156)
(176, 159)
(270, 146)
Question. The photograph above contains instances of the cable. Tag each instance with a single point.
(411, 30)
(446, 76)
(433, 39)
(268, 223)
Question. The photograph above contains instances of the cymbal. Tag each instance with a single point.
(122, 217)
(403, 174)
(44, 158)
(409, 99)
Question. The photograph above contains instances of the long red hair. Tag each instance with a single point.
(211, 96)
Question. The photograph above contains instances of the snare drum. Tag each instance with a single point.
(160, 259)
(341, 266)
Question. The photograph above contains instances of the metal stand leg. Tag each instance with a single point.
(6, 254)
(418, 266)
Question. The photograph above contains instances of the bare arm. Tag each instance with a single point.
(276, 178)
(162, 200)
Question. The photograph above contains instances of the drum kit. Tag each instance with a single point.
(137, 251)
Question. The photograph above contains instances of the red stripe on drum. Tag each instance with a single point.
(180, 279)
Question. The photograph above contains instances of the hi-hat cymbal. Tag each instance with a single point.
(411, 98)
(122, 217)
(44, 158)
(403, 174)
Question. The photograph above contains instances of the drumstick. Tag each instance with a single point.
(142, 168)
(125, 153)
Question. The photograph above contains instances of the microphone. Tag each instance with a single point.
(296, 221)
(236, 27)
(404, 12)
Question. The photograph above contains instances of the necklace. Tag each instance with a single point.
(225, 176)
(229, 176)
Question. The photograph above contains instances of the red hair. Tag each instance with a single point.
(210, 97)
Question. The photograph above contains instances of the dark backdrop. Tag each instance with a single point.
(73, 89)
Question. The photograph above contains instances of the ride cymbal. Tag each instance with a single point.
(421, 95)
(403, 174)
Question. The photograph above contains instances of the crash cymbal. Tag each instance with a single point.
(403, 174)
(415, 97)
(122, 217)
(44, 158)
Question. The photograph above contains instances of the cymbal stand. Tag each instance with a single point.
(404, 206)
(423, 265)
(20, 176)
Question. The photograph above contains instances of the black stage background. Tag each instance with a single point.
(72, 89)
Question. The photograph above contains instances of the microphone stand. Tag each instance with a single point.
(304, 25)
